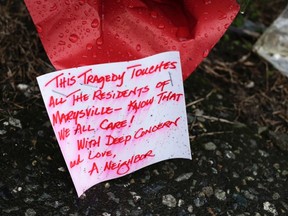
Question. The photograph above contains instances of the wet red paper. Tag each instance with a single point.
(85, 32)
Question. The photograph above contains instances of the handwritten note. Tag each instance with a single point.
(113, 119)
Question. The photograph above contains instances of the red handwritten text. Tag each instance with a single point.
(53, 102)
(138, 71)
(106, 125)
(62, 82)
(136, 105)
(111, 140)
(59, 118)
(89, 79)
(87, 143)
(136, 91)
(123, 167)
(82, 128)
(142, 132)
(167, 96)
(64, 133)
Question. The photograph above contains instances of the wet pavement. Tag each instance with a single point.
(235, 172)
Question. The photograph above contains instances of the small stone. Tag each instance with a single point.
(208, 191)
(200, 201)
(235, 175)
(275, 196)
(112, 197)
(183, 177)
(61, 169)
(249, 195)
(230, 155)
(267, 206)
(107, 185)
(180, 202)
(2, 132)
(190, 208)
(30, 212)
(169, 201)
(210, 146)
(106, 214)
(15, 122)
(220, 194)
(263, 153)
(285, 173)
(64, 210)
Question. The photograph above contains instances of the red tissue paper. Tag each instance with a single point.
(84, 32)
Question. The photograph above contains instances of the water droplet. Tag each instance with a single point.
(95, 23)
(82, 2)
(73, 38)
(226, 26)
(61, 42)
(99, 41)
(89, 46)
(118, 18)
(38, 2)
(138, 47)
(87, 30)
(67, 2)
(161, 26)
(39, 28)
(222, 15)
(61, 35)
(116, 36)
(205, 53)
(207, 2)
(183, 33)
(206, 35)
(69, 45)
(53, 7)
(154, 14)
(184, 45)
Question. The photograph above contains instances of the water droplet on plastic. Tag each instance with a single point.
(184, 45)
(82, 2)
(73, 38)
(116, 36)
(206, 35)
(61, 35)
(53, 7)
(226, 26)
(67, 2)
(154, 14)
(39, 28)
(205, 53)
(182, 33)
(118, 18)
(207, 2)
(61, 42)
(222, 15)
(138, 47)
(95, 23)
(99, 41)
(89, 46)
(161, 26)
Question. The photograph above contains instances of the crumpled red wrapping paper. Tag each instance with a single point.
(84, 32)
